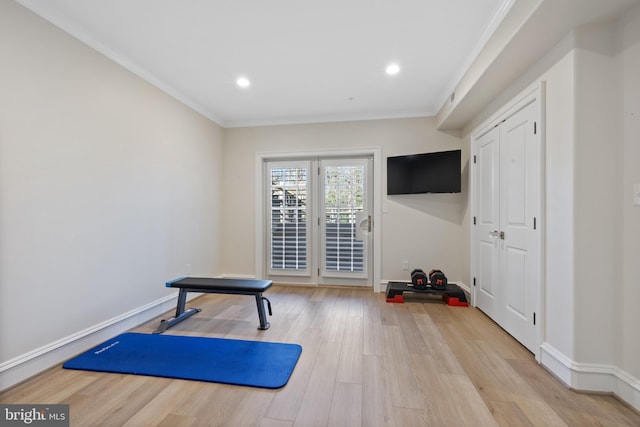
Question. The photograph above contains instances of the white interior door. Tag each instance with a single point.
(507, 206)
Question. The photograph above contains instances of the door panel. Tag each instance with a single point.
(518, 200)
(514, 172)
(345, 212)
(487, 221)
(516, 272)
(288, 225)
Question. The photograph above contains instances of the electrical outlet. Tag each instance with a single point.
(636, 194)
(405, 265)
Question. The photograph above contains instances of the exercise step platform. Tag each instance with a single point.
(452, 294)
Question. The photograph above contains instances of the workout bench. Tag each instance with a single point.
(216, 286)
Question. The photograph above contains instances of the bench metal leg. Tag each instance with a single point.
(181, 314)
(262, 315)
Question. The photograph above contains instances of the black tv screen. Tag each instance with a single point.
(424, 173)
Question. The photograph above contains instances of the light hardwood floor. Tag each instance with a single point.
(364, 362)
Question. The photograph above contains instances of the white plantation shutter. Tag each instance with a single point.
(343, 200)
(289, 231)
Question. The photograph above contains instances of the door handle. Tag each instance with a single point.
(362, 225)
(495, 234)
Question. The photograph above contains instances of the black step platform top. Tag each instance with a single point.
(453, 294)
(404, 286)
(206, 283)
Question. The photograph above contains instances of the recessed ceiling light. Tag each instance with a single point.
(393, 69)
(243, 82)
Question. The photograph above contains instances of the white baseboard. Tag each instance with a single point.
(464, 287)
(29, 364)
(591, 377)
(235, 276)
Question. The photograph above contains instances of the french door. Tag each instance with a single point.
(319, 221)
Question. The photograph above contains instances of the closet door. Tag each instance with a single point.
(507, 176)
(487, 221)
(519, 199)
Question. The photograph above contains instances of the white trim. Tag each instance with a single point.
(375, 152)
(286, 120)
(591, 377)
(236, 276)
(29, 364)
(464, 287)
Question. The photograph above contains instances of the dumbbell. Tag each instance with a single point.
(437, 279)
(419, 279)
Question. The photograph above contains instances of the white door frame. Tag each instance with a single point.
(535, 94)
(261, 157)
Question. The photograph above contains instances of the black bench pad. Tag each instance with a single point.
(210, 284)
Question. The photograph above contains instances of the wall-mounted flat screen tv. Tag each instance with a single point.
(424, 173)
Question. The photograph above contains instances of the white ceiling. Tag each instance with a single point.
(308, 60)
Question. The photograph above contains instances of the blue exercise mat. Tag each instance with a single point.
(238, 362)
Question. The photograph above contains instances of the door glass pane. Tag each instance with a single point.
(344, 198)
(289, 218)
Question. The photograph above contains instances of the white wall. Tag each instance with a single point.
(108, 188)
(626, 301)
(426, 230)
(592, 129)
(596, 224)
(557, 71)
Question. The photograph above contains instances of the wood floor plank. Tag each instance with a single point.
(457, 389)
(286, 403)
(405, 392)
(412, 417)
(158, 406)
(53, 386)
(537, 412)
(439, 352)
(414, 341)
(270, 422)
(373, 340)
(172, 420)
(346, 405)
(510, 414)
(350, 364)
(377, 405)
(364, 362)
(249, 410)
(316, 402)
